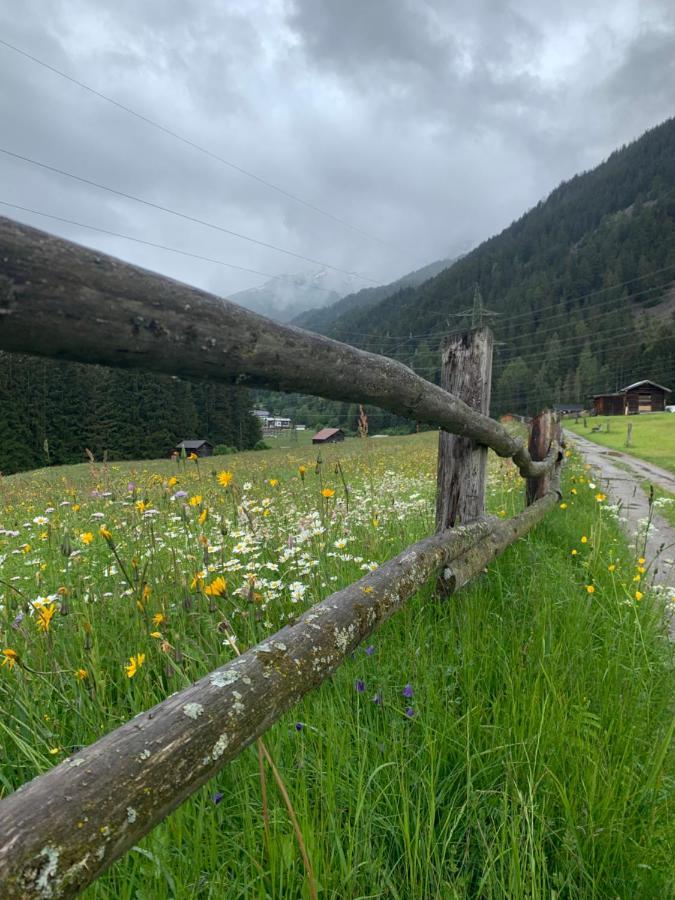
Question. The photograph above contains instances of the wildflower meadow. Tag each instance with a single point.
(510, 741)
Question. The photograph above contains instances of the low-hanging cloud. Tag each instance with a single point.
(426, 125)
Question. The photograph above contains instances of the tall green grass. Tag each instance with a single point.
(652, 438)
(531, 760)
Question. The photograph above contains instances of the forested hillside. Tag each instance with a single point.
(319, 319)
(51, 411)
(581, 287)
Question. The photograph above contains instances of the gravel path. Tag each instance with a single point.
(624, 487)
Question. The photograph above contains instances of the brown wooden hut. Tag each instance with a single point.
(640, 397)
(199, 448)
(328, 436)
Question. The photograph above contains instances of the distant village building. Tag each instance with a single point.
(199, 448)
(328, 436)
(640, 397)
(272, 424)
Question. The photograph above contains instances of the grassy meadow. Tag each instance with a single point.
(653, 436)
(512, 741)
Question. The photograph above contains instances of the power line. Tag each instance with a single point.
(136, 240)
(559, 320)
(181, 215)
(529, 313)
(570, 353)
(195, 146)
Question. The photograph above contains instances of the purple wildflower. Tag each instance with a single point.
(370, 650)
(179, 494)
(410, 712)
(131, 486)
(407, 691)
(217, 797)
(360, 686)
(299, 726)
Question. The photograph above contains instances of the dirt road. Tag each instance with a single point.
(623, 484)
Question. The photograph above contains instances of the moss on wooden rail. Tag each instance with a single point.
(62, 830)
(61, 300)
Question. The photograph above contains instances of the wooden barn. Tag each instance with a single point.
(328, 436)
(641, 397)
(200, 448)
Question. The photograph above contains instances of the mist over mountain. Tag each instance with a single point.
(285, 297)
(331, 314)
(579, 293)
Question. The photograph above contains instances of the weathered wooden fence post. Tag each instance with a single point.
(466, 371)
(544, 430)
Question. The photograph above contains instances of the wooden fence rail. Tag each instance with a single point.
(61, 300)
(62, 830)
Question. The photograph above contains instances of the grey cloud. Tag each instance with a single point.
(428, 124)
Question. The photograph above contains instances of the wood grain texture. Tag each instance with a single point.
(61, 300)
(545, 441)
(462, 462)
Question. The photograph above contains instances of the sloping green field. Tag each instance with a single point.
(653, 435)
(512, 741)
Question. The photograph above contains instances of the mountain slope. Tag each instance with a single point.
(284, 297)
(331, 315)
(573, 281)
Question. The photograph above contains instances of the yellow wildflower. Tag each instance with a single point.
(158, 618)
(141, 505)
(590, 589)
(274, 482)
(196, 500)
(155, 634)
(105, 533)
(172, 481)
(563, 506)
(10, 658)
(584, 539)
(147, 590)
(611, 567)
(81, 674)
(217, 587)
(54, 750)
(192, 456)
(642, 561)
(86, 537)
(202, 516)
(134, 664)
(75, 507)
(639, 595)
(574, 552)
(327, 492)
(573, 490)
(224, 478)
(600, 497)
(641, 570)
(197, 581)
(302, 470)
(25, 548)
(44, 616)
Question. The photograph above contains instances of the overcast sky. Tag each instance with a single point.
(426, 126)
